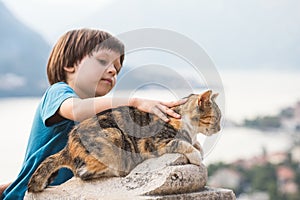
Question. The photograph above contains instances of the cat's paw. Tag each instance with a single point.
(194, 157)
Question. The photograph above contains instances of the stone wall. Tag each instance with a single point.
(166, 177)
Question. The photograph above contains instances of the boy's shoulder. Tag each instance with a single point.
(59, 89)
(60, 86)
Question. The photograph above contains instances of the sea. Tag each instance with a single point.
(246, 95)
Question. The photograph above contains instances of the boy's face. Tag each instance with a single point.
(96, 75)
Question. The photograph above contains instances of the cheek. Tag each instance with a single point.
(114, 81)
(91, 74)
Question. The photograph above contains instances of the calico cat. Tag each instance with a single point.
(114, 141)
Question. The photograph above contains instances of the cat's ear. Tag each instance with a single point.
(205, 97)
(214, 96)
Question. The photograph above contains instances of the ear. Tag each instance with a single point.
(214, 96)
(205, 97)
(69, 69)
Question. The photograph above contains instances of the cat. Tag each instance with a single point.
(114, 141)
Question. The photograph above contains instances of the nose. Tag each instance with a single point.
(111, 70)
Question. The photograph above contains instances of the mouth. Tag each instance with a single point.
(107, 80)
(209, 132)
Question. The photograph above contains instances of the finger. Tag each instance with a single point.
(175, 103)
(160, 114)
(168, 111)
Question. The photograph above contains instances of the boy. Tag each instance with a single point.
(82, 68)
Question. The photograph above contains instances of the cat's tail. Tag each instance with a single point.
(47, 170)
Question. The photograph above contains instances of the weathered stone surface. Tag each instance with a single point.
(204, 194)
(166, 177)
(168, 174)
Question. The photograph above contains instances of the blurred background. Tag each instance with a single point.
(254, 45)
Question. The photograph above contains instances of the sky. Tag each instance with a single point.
(260, 33)
(52, 17)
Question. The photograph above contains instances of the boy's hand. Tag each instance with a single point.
(161, 109)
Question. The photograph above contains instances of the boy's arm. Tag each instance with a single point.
(3, 188)
(77, 109)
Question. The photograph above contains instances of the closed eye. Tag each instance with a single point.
(102, 62)
(209, 120)
(205, 122)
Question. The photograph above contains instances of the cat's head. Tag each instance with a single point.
(203, 112)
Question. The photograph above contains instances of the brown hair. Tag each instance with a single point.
(74, 45)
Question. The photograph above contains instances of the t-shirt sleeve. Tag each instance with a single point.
(53, 99)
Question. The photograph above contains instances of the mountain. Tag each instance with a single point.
(23, 57)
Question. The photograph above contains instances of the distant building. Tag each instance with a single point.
(277, 157)
(255, 195)
(273, 158)
(225, 178)
(295, 153)
(286, 180)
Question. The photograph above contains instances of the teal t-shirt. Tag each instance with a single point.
(44, 140)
